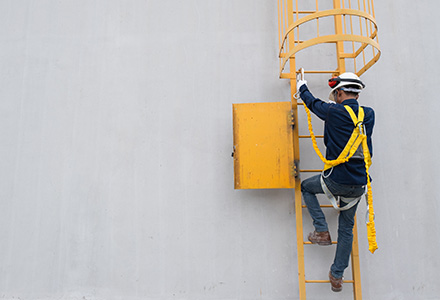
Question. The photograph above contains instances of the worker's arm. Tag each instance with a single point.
(317, 106)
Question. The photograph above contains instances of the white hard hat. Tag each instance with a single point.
(345, 79)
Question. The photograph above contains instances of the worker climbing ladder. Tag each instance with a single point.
(351, 27)
(266, 137)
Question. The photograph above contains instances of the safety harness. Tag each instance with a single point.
(356, 147)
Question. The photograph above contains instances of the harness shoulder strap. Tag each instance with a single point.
(355, 138)
(360, 116)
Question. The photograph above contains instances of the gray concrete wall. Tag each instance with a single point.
(116, 176)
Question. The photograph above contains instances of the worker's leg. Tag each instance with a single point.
(345, 241)
(309, 188)
(345, 229)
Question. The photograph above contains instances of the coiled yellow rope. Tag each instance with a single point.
(371, 230)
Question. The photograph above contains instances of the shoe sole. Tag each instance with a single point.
(324, 244)
(320, 243)
(336, 290)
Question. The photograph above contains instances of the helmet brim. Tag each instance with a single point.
(331, 96)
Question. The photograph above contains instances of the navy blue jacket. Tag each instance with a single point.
(337, 131)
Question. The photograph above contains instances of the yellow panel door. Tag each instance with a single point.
(263, 145)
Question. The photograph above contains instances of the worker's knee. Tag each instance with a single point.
(302, 186)
(311, 185)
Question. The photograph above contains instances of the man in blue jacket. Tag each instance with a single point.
(348, 179)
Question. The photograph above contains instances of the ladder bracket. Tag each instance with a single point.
(292, 119)
(295, 168)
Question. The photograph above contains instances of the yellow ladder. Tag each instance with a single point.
(354, 24)
(299, 206)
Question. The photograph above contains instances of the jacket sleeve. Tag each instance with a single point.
(317, 106)
(369, 129)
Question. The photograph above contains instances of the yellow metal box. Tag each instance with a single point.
(263, 145)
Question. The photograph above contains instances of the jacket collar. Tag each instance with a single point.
(351, 101)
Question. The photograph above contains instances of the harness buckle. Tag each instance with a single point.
(360, 125)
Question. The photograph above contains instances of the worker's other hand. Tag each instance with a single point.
(299, 84)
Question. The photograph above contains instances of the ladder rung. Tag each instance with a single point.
(318, 72)
(310, 243)
(308, 136)
(323, 205)
(311, 171)
(327, 281)
(304, 11)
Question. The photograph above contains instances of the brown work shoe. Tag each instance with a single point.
(320, 238)
(335, 282)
